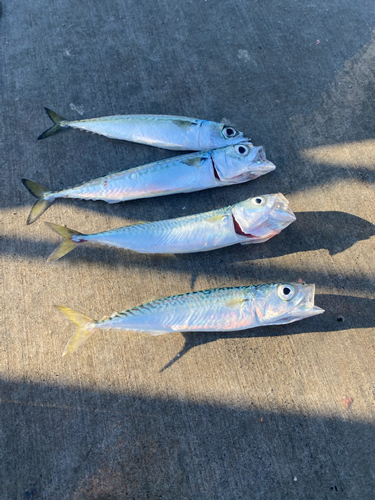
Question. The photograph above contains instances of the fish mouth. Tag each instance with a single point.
(281, 211)
(302, 306)
(256, 169)
(243, 140)
(258, 156)
(264, 166)
(305, 306)
(258, 163)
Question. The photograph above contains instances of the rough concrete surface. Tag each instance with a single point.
(274, 413)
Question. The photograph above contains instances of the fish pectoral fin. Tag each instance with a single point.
(192, 162)
(215, 218)
(235, 303)
(184, 124)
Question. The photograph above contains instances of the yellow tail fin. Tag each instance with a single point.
(85, 328)
(66, 246)
(42, 204)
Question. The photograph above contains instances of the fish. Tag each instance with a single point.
(176, 133)
(214, 310)
(255, 220)
(181, 174)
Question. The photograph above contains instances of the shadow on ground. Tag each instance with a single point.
(341, 313)
(292, 76)
(70, 444)
(331, 231)
(287, 179)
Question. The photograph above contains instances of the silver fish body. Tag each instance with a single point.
(223, 309)
(182, 174)
(176, 133)
(252, 221)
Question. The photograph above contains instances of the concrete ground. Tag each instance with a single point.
(274, 413)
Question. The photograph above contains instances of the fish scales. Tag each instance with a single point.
(184, 174)
(177, 133)
(182, 235)
(197, 311)
(160, 178)
(252, 221)
(221, 309)
(168, 132)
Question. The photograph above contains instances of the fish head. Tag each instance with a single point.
(217, 135)
(281, 303)
(240, 163)
(262, 217)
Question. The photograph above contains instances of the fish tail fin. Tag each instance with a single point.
(83, 331)
(67, 245)
(43, 202)
(57, 119)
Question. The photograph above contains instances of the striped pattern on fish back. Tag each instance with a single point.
(168, 224)
(194, 300)
(170, 132)
(186, 234)
(154, 179)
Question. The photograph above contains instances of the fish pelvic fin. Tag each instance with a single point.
(57, 127)
(43, 202)
(67, 245)
(84, 330)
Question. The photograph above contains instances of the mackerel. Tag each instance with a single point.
(177, 133)
(255, 220)
(216, 310)
(182, 174)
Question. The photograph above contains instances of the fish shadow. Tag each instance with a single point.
(332, 230)
(342, 312)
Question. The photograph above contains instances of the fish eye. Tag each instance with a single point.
(259, 201)
(285, 291)
(228, 132)
(242, 150)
